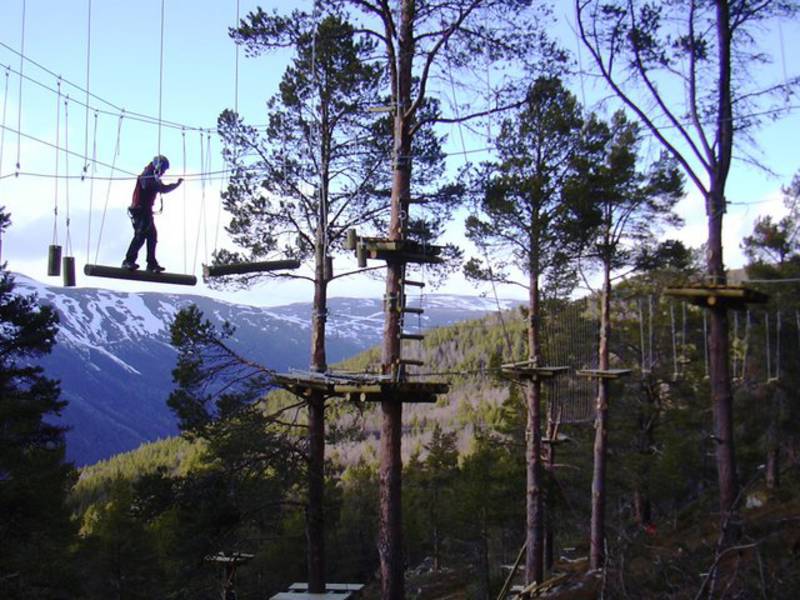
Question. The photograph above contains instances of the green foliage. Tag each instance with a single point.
(615, 206)
(34, 478)
(520, 209)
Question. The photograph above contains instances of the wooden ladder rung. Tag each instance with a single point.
(413, 283)
(412, 336)
(410, 361)
(412, 310)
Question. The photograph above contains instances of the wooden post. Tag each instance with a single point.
(598, 523)
(534, 531)
(390, 535)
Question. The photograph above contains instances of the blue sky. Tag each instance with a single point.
(199, 65)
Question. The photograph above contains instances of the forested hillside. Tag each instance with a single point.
(464, 471)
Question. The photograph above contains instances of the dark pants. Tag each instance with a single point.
(144, 230)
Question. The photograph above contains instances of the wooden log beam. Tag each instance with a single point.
(138, 275)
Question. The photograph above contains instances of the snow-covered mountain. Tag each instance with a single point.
(114, 358)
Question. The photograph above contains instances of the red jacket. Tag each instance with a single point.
(148, 186)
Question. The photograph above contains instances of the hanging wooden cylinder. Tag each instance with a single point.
(352, 239)
(68, 267)
(54, 260)
(328, 268)
(361, 255)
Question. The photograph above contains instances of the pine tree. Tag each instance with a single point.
(34, 477)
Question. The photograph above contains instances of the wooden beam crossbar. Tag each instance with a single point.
(138, 275)
(603, 373)
(527, 370)
(735, 297)
(244, 268)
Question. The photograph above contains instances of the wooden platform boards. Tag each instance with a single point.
(603, 373)
(336, 588)
(527, 370)
(138, 275)
(397, 251)
(334, 591)
(229, 558)
(328, 595)
(734, 297)
(361, 387)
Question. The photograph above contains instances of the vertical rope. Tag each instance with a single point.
(67, 237)
(683, 338)
(19, 94)
(674, 341)
(735, 352)
(650, 329)
(201, 212)
(58, 152)
(160, 77)
(746, 342)
(86, 117)
(183, 146)
(778, 345)
(767, 345)
(3, 128)
(91, 189)
(236, 69)
(110, 180)
(705, 342)
(641, 336)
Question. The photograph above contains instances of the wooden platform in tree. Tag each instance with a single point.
(138, 275)
(527, 370)
(603, 373)
(229, 558)
(329, 587)
(244, 268)
(361, 387)
(735, 297)
(395, 251)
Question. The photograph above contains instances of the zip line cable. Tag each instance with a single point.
(19, 95)
(62, 149)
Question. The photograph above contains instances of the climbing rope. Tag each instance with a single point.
(5, 105)
(67, 236)
(19, 95)
(91, 190)
(110, 180)
(58, 152)
(160, 77)
(86, 117)
(183, 153)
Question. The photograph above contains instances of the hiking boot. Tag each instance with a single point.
(155, 268)
(131, 266)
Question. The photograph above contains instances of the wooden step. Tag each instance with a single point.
(412, 310)
(410, 361)
(412, 336)
(418, 284)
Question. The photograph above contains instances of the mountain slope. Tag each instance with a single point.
(114, 359)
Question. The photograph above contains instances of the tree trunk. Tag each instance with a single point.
(549, 525)
(719, 374)
(719, 351)
(390, 535)
(315, 518)
(598, 531)
(534, 533)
